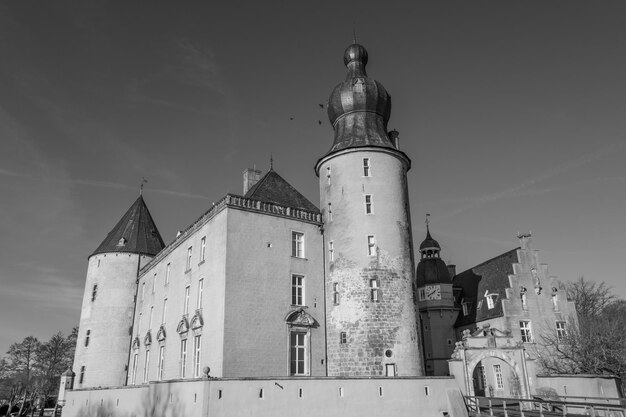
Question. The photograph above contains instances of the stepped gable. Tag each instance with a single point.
(272, 188)
(491, 276)
(135, 233)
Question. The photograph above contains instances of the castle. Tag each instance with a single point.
(267, 285)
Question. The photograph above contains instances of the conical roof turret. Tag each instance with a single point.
(134, 233)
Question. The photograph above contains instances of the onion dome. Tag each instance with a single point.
(432, 271)
(359, 107)
(429, 243)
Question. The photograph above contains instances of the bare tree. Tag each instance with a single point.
(590, 297)
(597, 344)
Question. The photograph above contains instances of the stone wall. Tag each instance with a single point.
(345, 397)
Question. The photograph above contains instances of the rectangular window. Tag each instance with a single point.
(200, 291)
(188, 264)
(328, 174)
(421, 294)
(94, 292)
(366, 167)
(87, 338)
(336, 293)
(145, 367)
(343, 338)
(297, 290)
(133, 377)
(497, 371)
(183, 358)
(202, 248)
(164, 311)
(160, 363)
(154, 279)
(330, 212)
(561, 333)
(369, 208)
(490, 301)
(297, 244)
(143, 291)
(524, 300)
(186, 305)
(168, 269)
(331, 251)
(196, 355)
(371, 245)
(298, 356)
(527, 335)
(482, 377)
(374, 290)
(390, 369)
(81, 379)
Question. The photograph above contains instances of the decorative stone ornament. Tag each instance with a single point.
(147, 341)
(300, 318)
(136, 343)
(196, 321)
(183, 326)
(161, 334)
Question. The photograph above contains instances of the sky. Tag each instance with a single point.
(513, 113)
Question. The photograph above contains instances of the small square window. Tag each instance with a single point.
(369, 205)
(343, 338)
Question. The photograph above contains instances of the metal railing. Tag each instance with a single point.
(522, 407)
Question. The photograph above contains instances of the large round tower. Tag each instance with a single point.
(104, 333)
(371, 318)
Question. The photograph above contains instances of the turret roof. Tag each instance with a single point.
(135, 233)
(272, 188)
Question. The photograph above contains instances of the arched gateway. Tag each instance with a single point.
(492, 363)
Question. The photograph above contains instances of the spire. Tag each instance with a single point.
(429, 247)
(134, 233)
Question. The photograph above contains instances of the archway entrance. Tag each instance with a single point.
(491, 363)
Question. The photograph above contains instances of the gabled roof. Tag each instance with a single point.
(272, 188)
(491, 277)
(135, 233)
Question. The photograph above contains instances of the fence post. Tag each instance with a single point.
(490, 408)
(521, 408)
(506, 414)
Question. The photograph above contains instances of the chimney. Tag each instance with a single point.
(452, 270)
(250, 177)
(525, 240)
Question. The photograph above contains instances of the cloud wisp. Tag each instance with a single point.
(102, 184)
(521, 189)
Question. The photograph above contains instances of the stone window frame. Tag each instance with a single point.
(561, 331)
(371, 245)
(368, 201)
(367, 167)
(297, 244)
(526, 331)
(298, 290)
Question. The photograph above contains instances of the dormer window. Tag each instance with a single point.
(121, 242)
(466, 306)
(491, 299)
